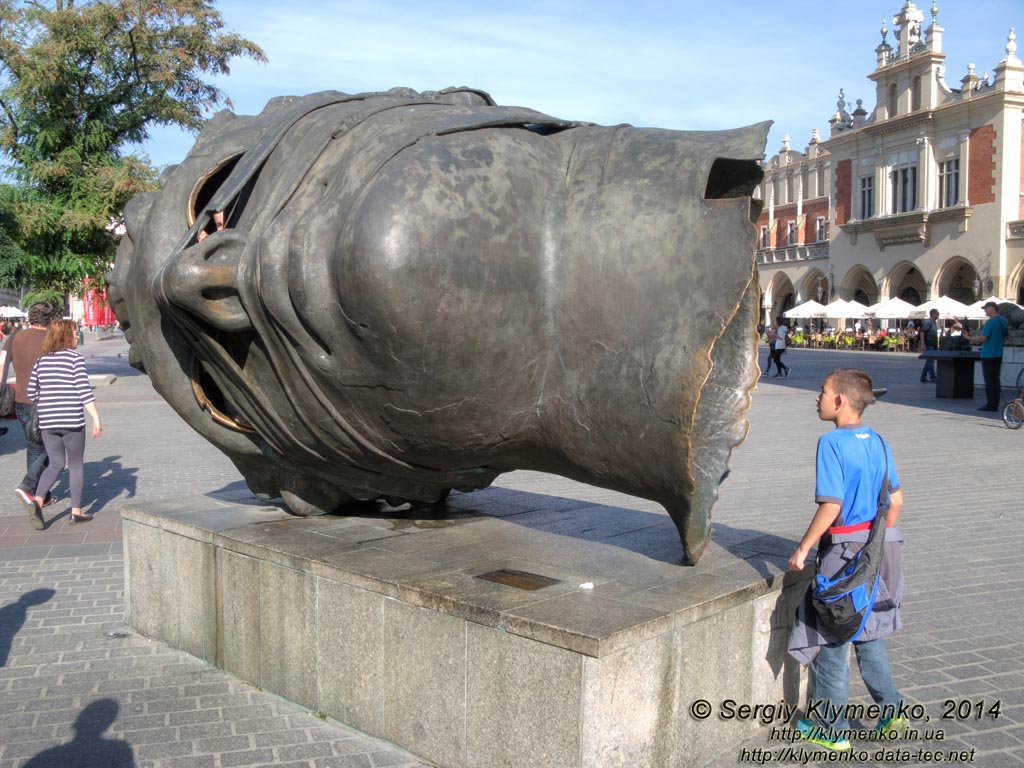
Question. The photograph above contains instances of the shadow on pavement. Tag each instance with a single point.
(12, 618)
(89, 749)
(106, 480)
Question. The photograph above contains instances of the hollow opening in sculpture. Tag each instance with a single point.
(212, 400)
(207, 186)
(735, 178)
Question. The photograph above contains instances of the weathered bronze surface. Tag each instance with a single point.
(417, 292)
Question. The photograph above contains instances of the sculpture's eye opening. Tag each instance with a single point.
(735, 178)
(545, 129)
(207, 186)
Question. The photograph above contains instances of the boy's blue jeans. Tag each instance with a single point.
(831, 668)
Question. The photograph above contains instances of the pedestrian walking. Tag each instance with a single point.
(24, 347)
(782, 336)
(60, 387)
(929, 336)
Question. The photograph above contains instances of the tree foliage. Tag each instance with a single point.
(79, 82)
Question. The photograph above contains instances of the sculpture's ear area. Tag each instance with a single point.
(203, 280)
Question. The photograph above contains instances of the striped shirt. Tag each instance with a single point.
(60, 385)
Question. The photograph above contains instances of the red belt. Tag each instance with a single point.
(852, 528)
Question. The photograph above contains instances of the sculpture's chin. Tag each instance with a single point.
(720, 422)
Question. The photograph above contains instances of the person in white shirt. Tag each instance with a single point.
(782, 335)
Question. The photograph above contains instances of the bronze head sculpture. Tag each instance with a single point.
(412, 292)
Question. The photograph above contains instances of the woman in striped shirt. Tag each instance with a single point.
(60, 387)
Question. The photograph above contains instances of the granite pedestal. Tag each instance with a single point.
(500, 630)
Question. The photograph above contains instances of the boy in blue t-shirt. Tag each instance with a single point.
(852, 461)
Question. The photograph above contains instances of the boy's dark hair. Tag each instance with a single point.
(40, 313)
(855, 384)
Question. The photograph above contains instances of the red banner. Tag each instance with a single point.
(96, 310)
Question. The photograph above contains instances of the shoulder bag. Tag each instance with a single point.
(32, 433)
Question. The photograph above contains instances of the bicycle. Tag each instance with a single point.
(1013, 411)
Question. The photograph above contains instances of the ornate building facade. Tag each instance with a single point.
(921, 197)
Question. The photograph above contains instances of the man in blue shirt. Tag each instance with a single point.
(991, 340)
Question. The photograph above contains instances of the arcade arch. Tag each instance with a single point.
(906, 282)
(779, 297)
(956, 279)
(814, 286)
(860, 286)
(1015, 285)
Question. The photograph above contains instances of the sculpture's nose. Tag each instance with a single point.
(202, 279)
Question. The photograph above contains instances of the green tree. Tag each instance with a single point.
(80, 82)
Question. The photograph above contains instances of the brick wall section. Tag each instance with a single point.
(982, 164)
(844, 190)
(812, 211)
(787, 213)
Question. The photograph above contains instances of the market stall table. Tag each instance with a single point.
(954, 371)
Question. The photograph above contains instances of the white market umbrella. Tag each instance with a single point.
(947, 307)
(9, 312)
(841, 308)
(891, 309)
(858, 309)
(975, 311)
(807, 309)
(838, 308)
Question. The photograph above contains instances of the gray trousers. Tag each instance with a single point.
(58, 443)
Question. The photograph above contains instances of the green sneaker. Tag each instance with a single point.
(894, 725)
(820, 735)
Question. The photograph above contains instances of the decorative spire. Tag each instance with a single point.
(884, 49)
(970, 80)
(841, 120)
(1011, 46)
(785, 143)
(935, 13)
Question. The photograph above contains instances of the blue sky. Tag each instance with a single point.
(682, 64)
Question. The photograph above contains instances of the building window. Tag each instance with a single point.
(867, 197)
(764, 237)
(821, 231)
(903, 188)
(949, 183)
(790, 233)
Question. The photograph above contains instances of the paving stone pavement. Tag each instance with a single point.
(66, 655)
